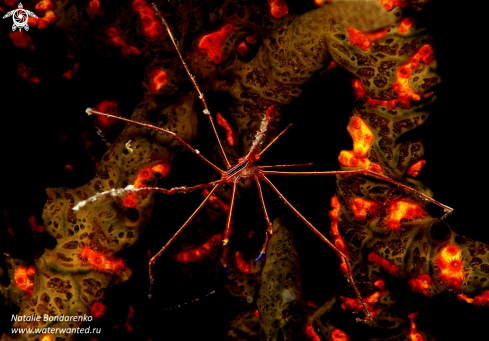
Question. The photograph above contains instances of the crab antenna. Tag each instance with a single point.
(175, 236)
(267, 219)
(90, 111)
(448, 210)
(192, 79)
(275, 139)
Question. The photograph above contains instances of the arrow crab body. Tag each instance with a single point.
(245, 169)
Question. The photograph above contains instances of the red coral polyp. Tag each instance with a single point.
(211, 44)
(24, 278)
(151, 24)
(450, 265)
(100, 261)
(97, 310)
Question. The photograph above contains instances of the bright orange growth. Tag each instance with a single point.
(358, 88)
(376, 35)
(482, 299)
(126, 49)
(158, 78)
(415, 168)
(384, 263)
(402, 87)
(199, 252)
(24, 278)
(129, 200)
(46, 337)
(450, 265)
(97, 310)
(311, 334)
(229, 132)
(243, 265)
(100, 261)
(215, 202)
(339, 335)
(362, 141)
(362, 207)
(278, 8)
(108, 107)
(23, 70)
(49, 18)
(405, 25)
(335, 234)
(390, 4)
(415, 335)
(370, 301)
(211, 44)
(421, 284)
(35, 227)
(151, 24)
(242, 49)
(44, 5)
(251, 40)
(402, 210)
(94, 6)
(331, 65)
(358, 39)
(21, 39)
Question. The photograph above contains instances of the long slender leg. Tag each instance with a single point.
(175, 236)
(287, 166)
(131, 189)
(448, 210)
(227, 231)
(90, 111)
(326, 240)
(275, 139)
(192, 79)
(267, 219)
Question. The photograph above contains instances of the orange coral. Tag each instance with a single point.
(358, 88)
(362, 141)
(46, 337)
(243, 265)
(415, 335)
(126, 49)
(229, 132)
(384, 263)
(405, 25)
(100, 261)
(415, 168)
(391, 4)
(94, 6)
(402, 87)
(21, 39)
(49, 18)
(450, 265)
(402, 210)
(335, 234)
(108, 107)
(199, 252)
(482, 299)
(44, 5)
(339, 335)
(370, 301)
(216, 202)
(311, 334)
(97, 310)
(211, 44)
(358, 39)
(158, 79)
(24, 278)
(242, 49)
(421, 284)
(151, 24)
(362, 207)
(278, 8)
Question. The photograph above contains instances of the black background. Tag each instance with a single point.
(34, 116)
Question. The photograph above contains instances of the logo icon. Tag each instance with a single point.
(20, 17)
